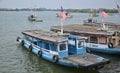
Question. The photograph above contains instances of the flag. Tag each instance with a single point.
(104, 14)
(63, 15)
(118, 8)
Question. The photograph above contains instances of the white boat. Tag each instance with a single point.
(67, 14)
(34, 18)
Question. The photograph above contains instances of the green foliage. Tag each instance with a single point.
(68, 10)
(94, 10)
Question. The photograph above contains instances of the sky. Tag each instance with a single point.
(54, 4)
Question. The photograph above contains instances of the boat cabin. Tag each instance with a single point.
(53, 45)
(107, 38)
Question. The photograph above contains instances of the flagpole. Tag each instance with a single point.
(61, 27)
(63, 17)
(103, 24)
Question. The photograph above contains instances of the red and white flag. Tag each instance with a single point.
(104, 14)
(63, 15)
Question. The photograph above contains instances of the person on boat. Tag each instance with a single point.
(66, 14)
(32, 16)
(90, 20)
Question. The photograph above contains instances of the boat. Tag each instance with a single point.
(90, 20)
(92, 17)
(34, 18)
(67, 14)
(62, 50)
(104, 39)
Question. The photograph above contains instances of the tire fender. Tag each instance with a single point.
(110, 45)
(30, 48)
(40, 53)
(55, 58)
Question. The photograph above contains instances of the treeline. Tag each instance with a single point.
(93, 10)
(23, 9)
(6, 9)
(68, 10)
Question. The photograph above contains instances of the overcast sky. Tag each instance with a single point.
(53, 4)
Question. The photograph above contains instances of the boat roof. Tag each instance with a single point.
(44, 35)
(109, 24)
(82, 29)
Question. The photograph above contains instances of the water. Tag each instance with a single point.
(14, 58)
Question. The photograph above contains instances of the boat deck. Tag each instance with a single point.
(84, 60)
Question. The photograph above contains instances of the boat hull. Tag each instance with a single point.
(78, 61)
(106, 50)
(34, 19)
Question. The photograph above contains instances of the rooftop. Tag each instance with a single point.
(75, 28)
(44, 35)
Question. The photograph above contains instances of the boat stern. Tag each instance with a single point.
(98, 65)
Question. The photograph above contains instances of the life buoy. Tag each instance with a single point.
(30, 48)
(110, 45)
(55, 58)
(17, 38)
(40, 53)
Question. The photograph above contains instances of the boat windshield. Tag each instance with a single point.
(62, 46)
(81, 43)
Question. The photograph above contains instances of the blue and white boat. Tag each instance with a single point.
(61, 50)
(99, 39)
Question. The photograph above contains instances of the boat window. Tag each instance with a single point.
(28, 38)
(39, 43)
(80, 43)
(93, 39)
(53, 47)
(46, 45)
(62, 46)
(34, 41)
(71, 42)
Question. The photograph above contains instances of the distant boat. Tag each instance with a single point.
(67, 14)
(61, 50)
(90, 20)
(92, 17)
(34, 18)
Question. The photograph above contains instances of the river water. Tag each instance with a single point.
(14, 58)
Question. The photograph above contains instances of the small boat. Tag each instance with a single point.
(34, 18)
(104, 40)
(61, 49)
(67, 14)
(92, 17)
(90, 20)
